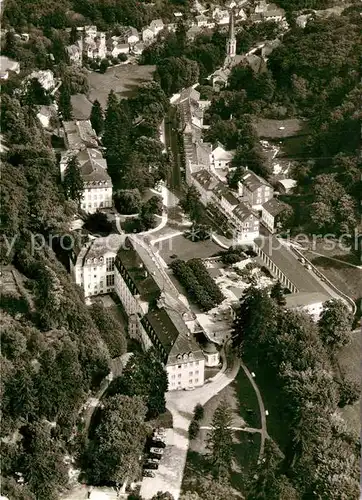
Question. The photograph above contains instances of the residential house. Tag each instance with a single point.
(302, 20)
(156, 26)
(274, 13)
(254, 190)
(138, 48)
(204, 22)
(75, 53)
(221, 17)
(7, 65)
(120, 48)
(181, 355)
(98, 187)
(205, 184)
(148, 35)
(220, 157)
(269, 47)
(308, 302)
(92, 265)
(157, 317)
(45, 78)
(269, 12)
(286, 186)
(240, 14)
(246, 223)
(78, 135)
(90, 32)
(45, 115)
(131, 36)
(272, 213)
(219, 79)
(225, 200)
(96, 48)
(193, 32)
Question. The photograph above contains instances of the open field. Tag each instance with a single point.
(349, 359)
(123, 79)
(186, 249)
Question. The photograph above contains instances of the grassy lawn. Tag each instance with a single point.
(241, 397)
(349, 360)
(277, 425)
(186, 249)
(122, 79)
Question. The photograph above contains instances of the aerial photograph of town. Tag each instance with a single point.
(181, 249)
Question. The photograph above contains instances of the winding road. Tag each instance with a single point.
(181, 404)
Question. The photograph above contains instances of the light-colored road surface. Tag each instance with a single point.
(181, 404)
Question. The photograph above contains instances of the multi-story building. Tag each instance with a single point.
(95, 47)
(220, 157)
(183, 358)
(246, 224)
(131, 36)
(205, 184)
(157, 316)
(98, 187)
(92, 266)
(78, 135)
(272, 213)
(254, 190)
(81, 141)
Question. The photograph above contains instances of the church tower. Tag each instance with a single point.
(231, 42)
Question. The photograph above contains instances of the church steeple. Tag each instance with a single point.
(231, 42)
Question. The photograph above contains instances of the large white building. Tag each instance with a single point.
(158, 315)
(92, 266)
(81, 141)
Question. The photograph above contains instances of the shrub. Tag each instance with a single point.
(349, 392)
(198, 412)
(127, 201)
(194, 429)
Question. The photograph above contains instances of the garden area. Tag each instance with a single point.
(240, 397)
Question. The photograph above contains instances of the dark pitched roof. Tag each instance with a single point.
(173, 335)
(253, 181)
(147, 275)
(274, 207)
(205, 179)
(242, 212)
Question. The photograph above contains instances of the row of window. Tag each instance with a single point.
(190, 374)
(185, 364)
(109, 282)
(191, 382)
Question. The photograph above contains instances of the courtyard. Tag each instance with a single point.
(186, 249)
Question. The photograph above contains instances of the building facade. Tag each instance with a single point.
(254, 190)
(156, 315)
(93, 265)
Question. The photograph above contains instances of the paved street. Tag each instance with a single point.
(181, 404)
(175, 180)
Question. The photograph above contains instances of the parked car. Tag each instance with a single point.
(157, 443)
(148, 473)
(150, 465)
(156, 451)
(160, 430)
(152, 460)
